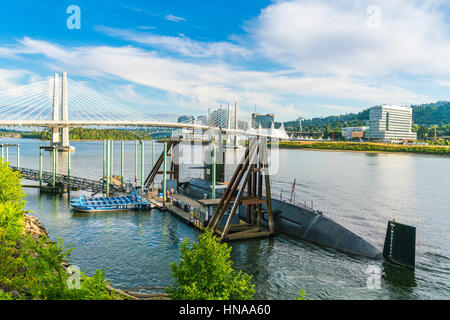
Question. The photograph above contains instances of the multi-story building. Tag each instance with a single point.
(390, 123)
(265, 120)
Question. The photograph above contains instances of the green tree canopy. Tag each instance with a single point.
(205, 272)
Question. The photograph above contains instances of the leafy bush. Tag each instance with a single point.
(35, 269)
(205, 272)
(301, 295)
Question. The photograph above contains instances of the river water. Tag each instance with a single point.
(361, 191)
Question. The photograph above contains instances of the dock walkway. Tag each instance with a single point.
(68, 183)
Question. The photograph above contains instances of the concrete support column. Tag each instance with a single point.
(64, 112)
(55, 115)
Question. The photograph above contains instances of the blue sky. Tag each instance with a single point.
(296, 57)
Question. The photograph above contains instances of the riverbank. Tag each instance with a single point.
(32, 267)
(364, 147)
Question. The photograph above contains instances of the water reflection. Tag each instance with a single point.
(362, 191)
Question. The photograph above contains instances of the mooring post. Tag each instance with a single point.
(153, 153)
(1, 147)
(40, 167)
(104, 158)
(6, 154)
(68, 170)
(54, 151)
(112, 159)
(108, 164)
(56, 163)
(164, 174)
(142, 164)
(121, 163)
(18, 156)
(213, 171)
(135, 161)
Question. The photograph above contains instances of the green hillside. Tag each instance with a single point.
(432, 114)
(426, 114)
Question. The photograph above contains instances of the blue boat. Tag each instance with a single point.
(100, 204)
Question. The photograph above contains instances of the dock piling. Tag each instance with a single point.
(112, 159)
(104, 158)
(142, 163)
(121, 163)
(213, 171)
(153, 153)
(54, 152)
(108, 166)
(164, 173)
(18, 156)
(135, 161)
(68, 169)
(40, 167)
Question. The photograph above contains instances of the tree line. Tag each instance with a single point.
(425, 117)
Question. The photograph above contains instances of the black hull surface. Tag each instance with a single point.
(300, 222)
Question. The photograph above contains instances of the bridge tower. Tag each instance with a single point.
(64, 114)
(55, 115)
(60, 112)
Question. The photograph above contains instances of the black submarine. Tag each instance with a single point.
(306, 223)
(298, 222)
(314, 226)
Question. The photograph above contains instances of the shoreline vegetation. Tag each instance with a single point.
(364, 147)
(82, 134)
(32, 267)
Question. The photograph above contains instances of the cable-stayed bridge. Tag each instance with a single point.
(62, 103)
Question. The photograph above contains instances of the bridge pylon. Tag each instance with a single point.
(55, 114)
(60, 140)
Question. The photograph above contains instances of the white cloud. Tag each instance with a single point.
(173, 18)
(181, 44)
(332, 37)
(12, 78)
(147, 27)
(197, 85)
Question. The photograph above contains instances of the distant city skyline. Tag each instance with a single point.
(292, 58)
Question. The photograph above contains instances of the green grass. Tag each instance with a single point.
(368, 147)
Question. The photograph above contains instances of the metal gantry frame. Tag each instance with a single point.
(250, 173)
(162, 162)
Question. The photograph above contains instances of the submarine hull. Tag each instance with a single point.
(299, 222)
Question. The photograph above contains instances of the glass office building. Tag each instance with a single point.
(390, 123)
(265, 120)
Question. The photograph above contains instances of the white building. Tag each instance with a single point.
(390, 123)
